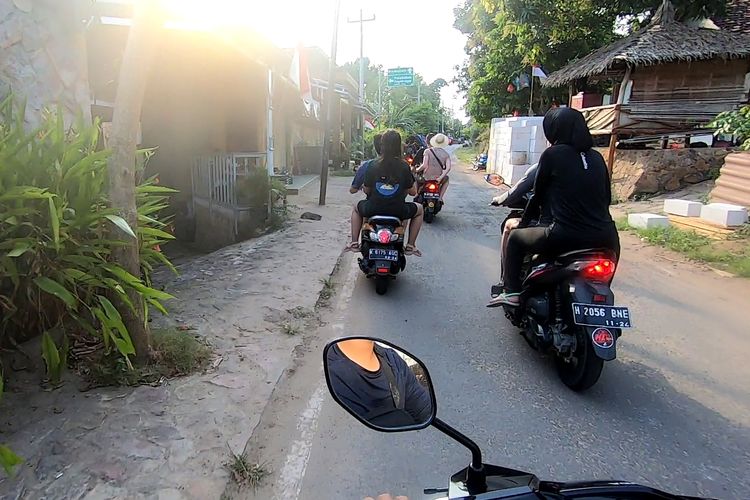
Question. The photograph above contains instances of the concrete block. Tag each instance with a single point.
(724, 214)
(537, 146)
(513, 173)
(684, 208)
(519, 143)
(648, 221)
(516, 158)
(534, 158)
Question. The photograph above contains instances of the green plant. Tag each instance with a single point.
(8, 459)
(54, 359)
(55, 236)
(175, 353)
(253, 190)
(736, 123)
(245, 473)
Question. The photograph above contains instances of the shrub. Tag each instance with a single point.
(56, 230)
(736, 123)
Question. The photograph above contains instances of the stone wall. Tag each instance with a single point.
(43, 57)
(651, 171)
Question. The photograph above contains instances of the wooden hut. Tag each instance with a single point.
(670, 76)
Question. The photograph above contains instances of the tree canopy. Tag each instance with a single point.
(505, 37)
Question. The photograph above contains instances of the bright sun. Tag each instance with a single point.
(285, 22)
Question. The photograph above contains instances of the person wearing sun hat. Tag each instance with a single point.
(437, 163)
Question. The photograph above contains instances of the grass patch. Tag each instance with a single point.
(342, 173)
(245, 473)
(731, 255)
(329, 287)
(175, 354)
(290, 329)
(466, 155)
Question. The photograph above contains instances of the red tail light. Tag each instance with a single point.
(409, 160)
(600, 270)
(384, 236)
(432, 186)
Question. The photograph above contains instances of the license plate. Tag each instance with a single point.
(593, 315)
(432, 196)
(384, 254)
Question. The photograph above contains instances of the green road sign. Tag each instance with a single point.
(401, 77)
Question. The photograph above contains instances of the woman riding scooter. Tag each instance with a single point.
(573, 183)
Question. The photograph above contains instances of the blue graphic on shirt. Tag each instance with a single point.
(386, 189)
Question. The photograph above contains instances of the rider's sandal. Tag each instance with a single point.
(505, 299)
(352, 247)
(412, 250)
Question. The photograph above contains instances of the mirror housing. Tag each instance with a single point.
(379, 384)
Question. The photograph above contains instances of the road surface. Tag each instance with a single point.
(673, 411)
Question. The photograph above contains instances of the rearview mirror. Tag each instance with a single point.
(494, 179)
(380, 384)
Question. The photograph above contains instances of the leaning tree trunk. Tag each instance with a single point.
(131, 87)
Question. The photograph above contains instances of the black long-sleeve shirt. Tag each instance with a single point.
(574, 187)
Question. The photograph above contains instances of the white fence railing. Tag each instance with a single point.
(215, 178)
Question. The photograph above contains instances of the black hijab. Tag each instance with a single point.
(567, 126)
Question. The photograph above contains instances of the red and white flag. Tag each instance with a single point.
(300, 75)
(536, 70)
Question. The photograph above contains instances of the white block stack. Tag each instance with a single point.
(648, 221)
(683, 208)
(724, 214)
(515, 144)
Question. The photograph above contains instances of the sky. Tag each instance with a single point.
(405, 33)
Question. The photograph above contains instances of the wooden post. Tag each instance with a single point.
(616, 124)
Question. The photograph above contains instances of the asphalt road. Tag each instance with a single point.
(673, 411)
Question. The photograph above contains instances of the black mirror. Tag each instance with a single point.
(380, 384)
(494, 179)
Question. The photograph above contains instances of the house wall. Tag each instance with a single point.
(644, 172)
(201, 99)
(689, 92)
(43, 58)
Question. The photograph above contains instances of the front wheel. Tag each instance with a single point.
(582, 370)
(381, 285)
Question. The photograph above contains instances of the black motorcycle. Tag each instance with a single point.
(567, 309)
(382, 248)
(429, 197)
(413, 406)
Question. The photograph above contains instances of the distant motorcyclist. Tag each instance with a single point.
(437, 164)
(573, 183)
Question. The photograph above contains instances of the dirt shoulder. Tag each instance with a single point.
(252, 302)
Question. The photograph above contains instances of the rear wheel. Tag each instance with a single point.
(429, 217)
(381, 285)
(582, 370)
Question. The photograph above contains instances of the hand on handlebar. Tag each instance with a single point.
(497, 201)
(387, 496)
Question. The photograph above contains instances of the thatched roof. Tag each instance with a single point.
(663, 40)
(737, 18)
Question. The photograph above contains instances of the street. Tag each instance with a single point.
(671, 412)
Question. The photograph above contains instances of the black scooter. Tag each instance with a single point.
(414, 407)
(382, 248)
(567, 307)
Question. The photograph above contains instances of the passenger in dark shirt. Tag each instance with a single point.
(366, 390)
(573, 186)
(387, 183)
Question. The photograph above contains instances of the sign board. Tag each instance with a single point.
(401, 77)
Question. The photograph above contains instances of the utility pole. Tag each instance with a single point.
(362, 22)
(419, 92)
(330, 96)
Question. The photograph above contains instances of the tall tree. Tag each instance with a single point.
(505, 37)
(134, 71)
